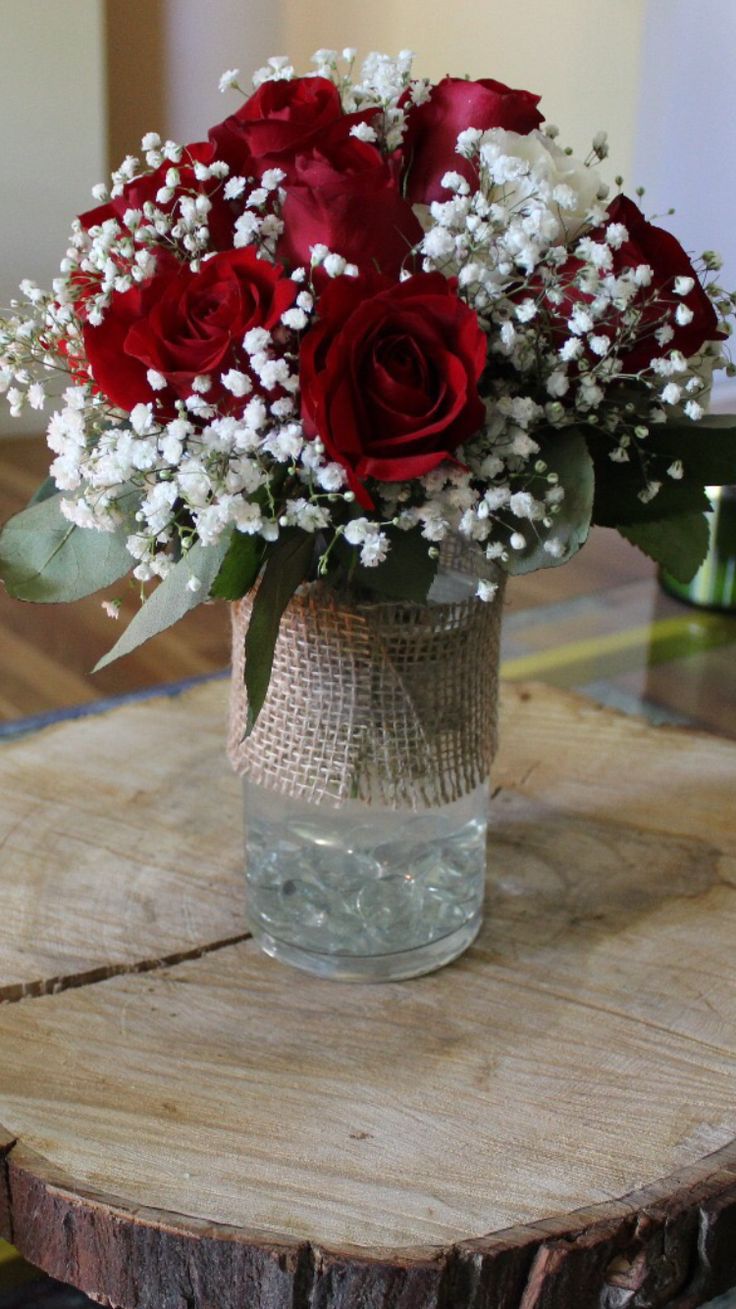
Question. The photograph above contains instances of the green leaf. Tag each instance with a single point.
(43, 492)
(565, 453)
(707, 447)
(45, 558)
(240, 567)
(677, 544)
(406, 573)
(172, 598)
(617, 497)
(288, 564)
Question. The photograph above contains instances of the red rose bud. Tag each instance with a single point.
(430, 139)
(390, 376)
(278, 121)
(334, 187)
(182, 325)
(665, 256)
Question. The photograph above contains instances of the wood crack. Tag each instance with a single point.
(102, 973)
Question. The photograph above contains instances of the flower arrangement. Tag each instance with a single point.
(365, 314)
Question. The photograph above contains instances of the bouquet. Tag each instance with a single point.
(367, 314)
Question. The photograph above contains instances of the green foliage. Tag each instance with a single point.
(240, 567)
(565, 453)
(44, 491)
(172, 598)
(288, 563)
(406, 573)
(678, 544)
(45, 558)
(707, 450)
(617, 502)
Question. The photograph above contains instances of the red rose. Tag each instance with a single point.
(184, 325)
(665, 256)
(279, 120)
(220, 219)
(345, 195)
(390, 376)
(645, 244)
(558, 301)
(454, 105)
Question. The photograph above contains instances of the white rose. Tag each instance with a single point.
(565, 185)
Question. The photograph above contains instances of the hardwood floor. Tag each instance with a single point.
(47, 651)
(595, 624)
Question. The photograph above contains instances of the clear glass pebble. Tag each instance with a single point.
(364, 892)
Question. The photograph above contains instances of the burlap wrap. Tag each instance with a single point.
(392, 704)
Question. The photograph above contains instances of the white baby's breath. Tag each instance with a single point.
(523, 231)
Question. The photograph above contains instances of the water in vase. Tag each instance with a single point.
(364, 892)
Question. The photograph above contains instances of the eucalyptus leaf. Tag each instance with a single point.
(240, 567)
(565, 453)
(44, 491)
(45, 558)
(677, 544)
(289, 561)
(172, 599)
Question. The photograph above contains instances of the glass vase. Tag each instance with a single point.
(366, 780)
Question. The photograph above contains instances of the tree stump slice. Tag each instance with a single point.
(549, 1123)
(109, 861)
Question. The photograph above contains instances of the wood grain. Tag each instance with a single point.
(648, 1251)
(109, 859)
(223, 1089)
(550, 1123)
(579, 756)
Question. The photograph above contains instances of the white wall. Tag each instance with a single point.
(685, 150)
(162, 58)
(52, 142)
(165, 58)
(203, 38)
(582, 56)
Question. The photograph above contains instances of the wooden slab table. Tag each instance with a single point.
(550, 1123)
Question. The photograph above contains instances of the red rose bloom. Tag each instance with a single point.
(334, 188)
(278, 121)
(220, 219)
(665, 256)
(453, 105)
(390, 376)
(645, 244)
(558, 305)
(184, 325)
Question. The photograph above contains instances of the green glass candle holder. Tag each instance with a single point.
(714, 584)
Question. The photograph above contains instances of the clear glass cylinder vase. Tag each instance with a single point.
(364, 893)
(366, 781)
